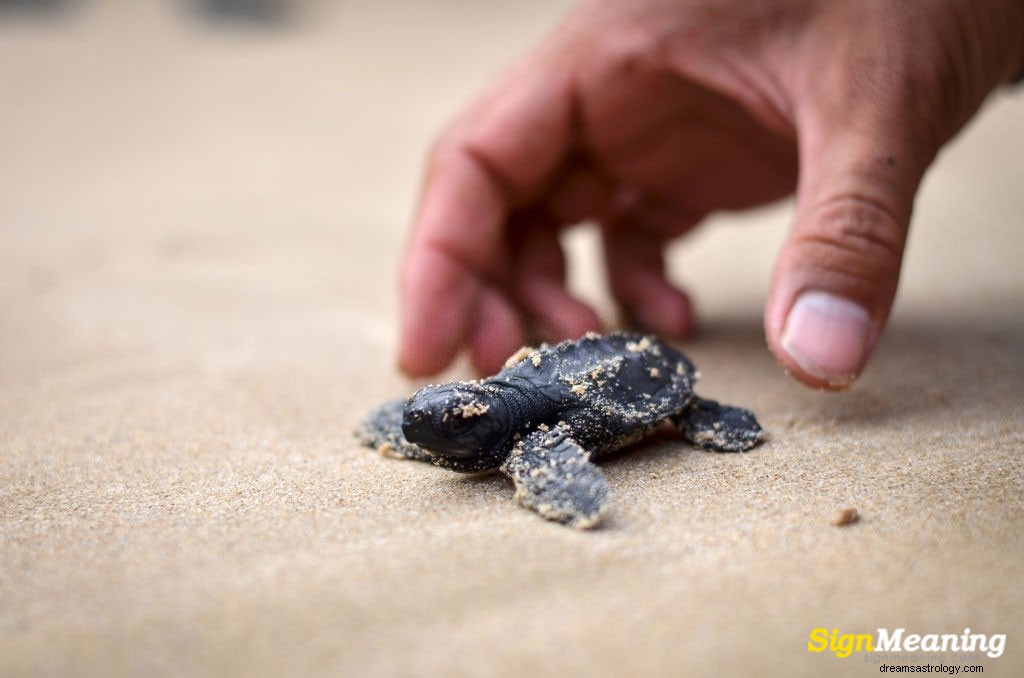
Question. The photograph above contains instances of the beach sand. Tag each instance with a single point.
(199, 238)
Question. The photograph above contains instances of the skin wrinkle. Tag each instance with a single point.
(764, 104)
(742, 76)
(852, 209)
(868, 233)
(846, 277)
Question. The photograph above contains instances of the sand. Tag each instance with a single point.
(199, 233)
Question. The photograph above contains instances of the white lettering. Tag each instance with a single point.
(887, 643)
(966, 643)
(899, 641)
(930, 643)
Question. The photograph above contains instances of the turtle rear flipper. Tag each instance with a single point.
(722, 428)
(381, 430)
(554, 477)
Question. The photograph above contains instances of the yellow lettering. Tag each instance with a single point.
(818, 640)
(841, 644)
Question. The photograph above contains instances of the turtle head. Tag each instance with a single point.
(458, 420)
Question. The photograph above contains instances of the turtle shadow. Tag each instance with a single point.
(485, 480)
(495, 491)
(666, 440)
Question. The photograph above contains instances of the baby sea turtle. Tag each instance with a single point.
(542, 418)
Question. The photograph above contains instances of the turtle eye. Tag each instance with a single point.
(460, 424)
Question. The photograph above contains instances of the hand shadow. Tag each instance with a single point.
(967, 369)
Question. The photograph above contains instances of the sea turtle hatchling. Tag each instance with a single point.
(550, 411)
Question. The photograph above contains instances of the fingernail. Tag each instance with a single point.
(827, 335)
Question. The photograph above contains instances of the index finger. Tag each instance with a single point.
(499, 155)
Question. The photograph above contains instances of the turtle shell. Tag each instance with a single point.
(610, 389)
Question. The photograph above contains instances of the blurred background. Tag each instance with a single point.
(178, 109)
(165, 150)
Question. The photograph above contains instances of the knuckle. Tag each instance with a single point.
(856, 237)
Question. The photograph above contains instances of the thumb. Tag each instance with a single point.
(836, 276)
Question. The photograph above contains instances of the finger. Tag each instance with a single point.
(538, 281)
(442, 275)
(636, 273)
(836, 276)
(502, 152)
(496, 334)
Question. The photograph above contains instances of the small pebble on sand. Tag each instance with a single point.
(844, 517)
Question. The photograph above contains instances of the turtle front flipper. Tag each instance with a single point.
(381, 430)
(554, 477)
(721, 428)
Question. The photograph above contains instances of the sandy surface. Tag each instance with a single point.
(198, 239)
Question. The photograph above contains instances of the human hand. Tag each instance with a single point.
(647, 115)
